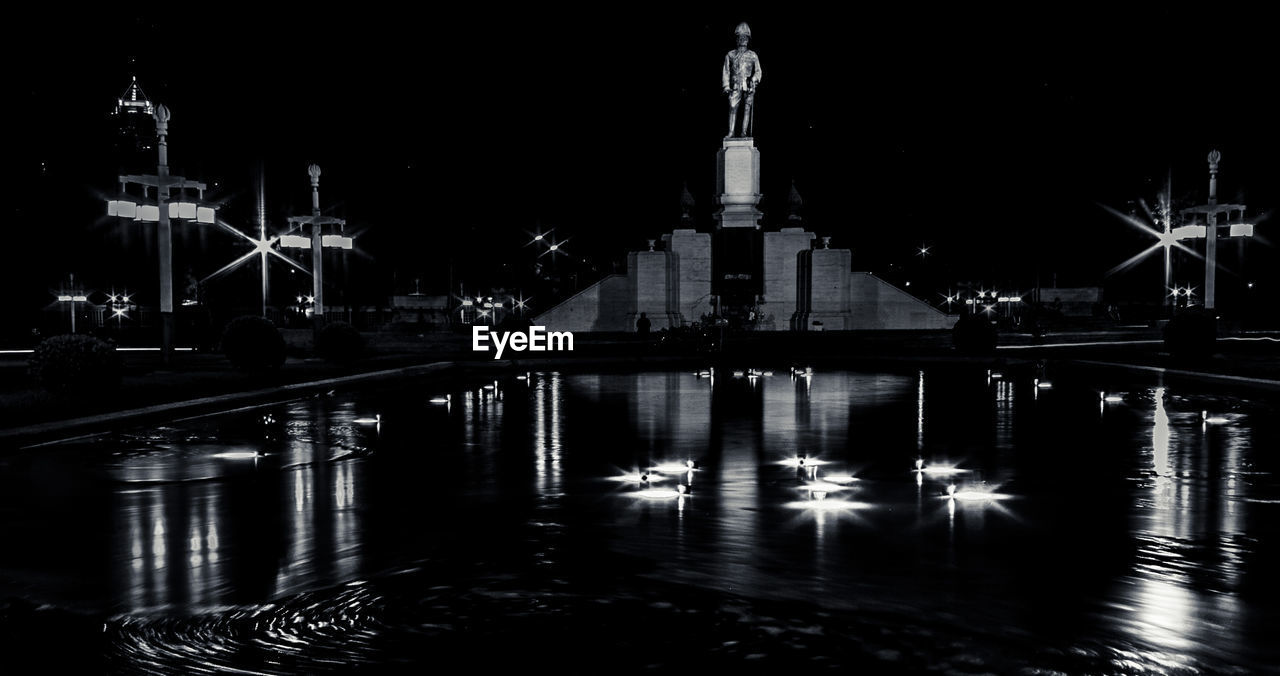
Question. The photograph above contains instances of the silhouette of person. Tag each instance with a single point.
(642, 326)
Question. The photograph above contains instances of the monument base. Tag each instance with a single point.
(738, 184)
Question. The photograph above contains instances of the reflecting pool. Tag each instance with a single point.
(896, 521)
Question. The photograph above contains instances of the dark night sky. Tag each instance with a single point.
(991, 136)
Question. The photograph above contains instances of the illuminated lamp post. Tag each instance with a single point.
(161, 213)
(1209, 228)
(72, 295)
(316, 242)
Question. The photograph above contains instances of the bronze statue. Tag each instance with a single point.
(739, 79)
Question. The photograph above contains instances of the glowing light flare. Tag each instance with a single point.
(801, 461)
(239, 455)
(941, 469)
(638, 478)
(976, 494)
(1214, 420)
(675, 467)
(828, 505)
(657, 494)
(823, 487)
(369, 421)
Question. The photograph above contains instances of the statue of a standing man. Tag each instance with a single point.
(739, 79)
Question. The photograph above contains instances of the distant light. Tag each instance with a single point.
(64, 298)
(205, 215)
(80, 299)
(311, 299)
(537, 238)
(295, 242)
(1241, 230)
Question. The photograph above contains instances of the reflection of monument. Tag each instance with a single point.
(763, 280)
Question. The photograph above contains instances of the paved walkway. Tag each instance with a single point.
(1204, 375)
(97, 424)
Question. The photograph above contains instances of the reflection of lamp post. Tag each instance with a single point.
(161, 213)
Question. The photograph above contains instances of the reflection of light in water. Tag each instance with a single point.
(657, 494)
(1214, 419)
(1160, 435)
(638, 477)
(1164, 613)
(920, 413)
(239, 455)
(823, 487)
(441, 400)
(546, 438)
(1110, 398)
(377, 418)
(828, 505)
(157, 541)
(939, 469)
(982, 494)
(346, 525)
(801, 461)
(1004, 414)
(674, 467)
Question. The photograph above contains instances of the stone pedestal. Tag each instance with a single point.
(691, 253)
(824, 290)
(781, 274)
(738, 184)
(653, 278)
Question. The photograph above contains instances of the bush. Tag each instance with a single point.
(974, 334)
(253, 344)
(1193, 333)
(76, 362)
(339, 342)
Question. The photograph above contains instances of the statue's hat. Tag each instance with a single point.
(742, 29)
